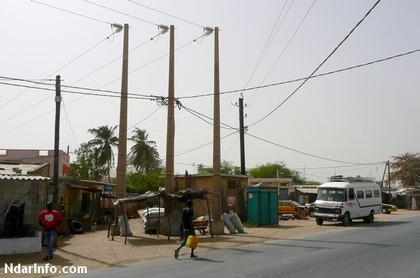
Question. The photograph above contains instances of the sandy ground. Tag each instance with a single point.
(95, 250)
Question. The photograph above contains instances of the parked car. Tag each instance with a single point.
(291, 207)
(387, 208)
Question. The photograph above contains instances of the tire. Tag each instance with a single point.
(76, 227)
(346, 219)
(319, 221)
(311, 214)
(384, 210)
(370, 218)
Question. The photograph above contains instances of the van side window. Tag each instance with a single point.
(360, 194)
(351, 194)
(375, 193)
(368, 193)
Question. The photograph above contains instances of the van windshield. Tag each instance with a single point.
(332, 194)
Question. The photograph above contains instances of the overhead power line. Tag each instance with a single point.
(211, 94)
(71, 12)
(116, 11)
(320, 65)
(308, 154)
(167, 14)
(303, 78)
(286, 46)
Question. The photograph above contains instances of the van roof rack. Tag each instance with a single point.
(351, 179)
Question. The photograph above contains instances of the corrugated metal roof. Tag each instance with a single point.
(21, 177)
(308, 190)
(18, 168)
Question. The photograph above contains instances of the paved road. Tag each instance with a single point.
(380, 249)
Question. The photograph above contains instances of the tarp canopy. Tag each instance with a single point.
(181, 196)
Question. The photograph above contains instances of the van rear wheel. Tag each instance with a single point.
(346, 219)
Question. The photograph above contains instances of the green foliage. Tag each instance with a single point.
(144, 155)
(406, 169)
(202, 169)
(103, 143)
(141, 183)
(85, 164)
(272, 170)
(226, 167)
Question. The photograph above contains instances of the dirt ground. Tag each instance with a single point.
(95, 250)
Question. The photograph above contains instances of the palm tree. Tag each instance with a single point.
(144, 155)
(103, 143)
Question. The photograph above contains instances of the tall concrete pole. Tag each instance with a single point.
(56, 138)
(170, 135)
(217, 205)
(122, 139)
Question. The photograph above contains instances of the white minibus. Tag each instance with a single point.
(344, 199)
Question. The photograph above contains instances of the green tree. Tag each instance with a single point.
(144, 155)
(141, 183)
(85, 164)
(226, 167)
(406, 169)
(203, 169)
(273, 170)
(103, 143)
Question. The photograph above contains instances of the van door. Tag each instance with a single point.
(352, 207)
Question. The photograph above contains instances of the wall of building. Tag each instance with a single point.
(18, 191)
(38, 156)
(232, 197)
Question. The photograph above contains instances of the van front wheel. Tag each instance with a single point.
(346, 219)
(319, 221)
(369, 218)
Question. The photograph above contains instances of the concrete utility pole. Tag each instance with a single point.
(217, 181)
(122, 139)
(170, 134)
(56, 138)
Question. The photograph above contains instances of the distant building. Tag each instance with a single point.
(39, 157)
(284, 186)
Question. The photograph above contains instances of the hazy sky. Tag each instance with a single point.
(348, 122)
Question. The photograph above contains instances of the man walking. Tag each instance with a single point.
(187, 228)
(49, 220)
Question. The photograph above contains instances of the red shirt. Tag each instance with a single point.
(50, 220)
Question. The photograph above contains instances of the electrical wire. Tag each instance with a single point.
(308, 154)
(303, 78)
(225, 92)
(74, 13)
(156, 10)
(203, 145)
(110, 9)
(286, 46)
(269, 41)
(322, 63)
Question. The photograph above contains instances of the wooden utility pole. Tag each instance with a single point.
(170, 134)
(242, 135)
(389, 183)
(217, 205)
(122, 139)
(56, 138)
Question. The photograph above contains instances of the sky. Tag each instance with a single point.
(349, 121)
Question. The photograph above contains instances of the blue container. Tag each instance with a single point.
(262, 205)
